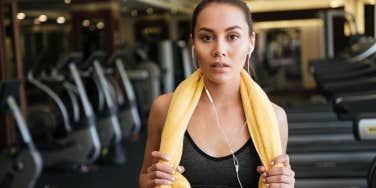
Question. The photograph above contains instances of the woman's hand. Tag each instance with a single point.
(280, 176)
(159, 173)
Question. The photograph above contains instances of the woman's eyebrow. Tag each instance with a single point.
(233, 27)
(227, 29)
(206, 29)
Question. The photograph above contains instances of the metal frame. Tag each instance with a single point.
(110, 103)
(167, 65)
(29, 175)
(370, 51)
(130, 95)
(71, 93)
(328, 40)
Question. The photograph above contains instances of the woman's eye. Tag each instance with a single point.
(206, 38)
(233, 37)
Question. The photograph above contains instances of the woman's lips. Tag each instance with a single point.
(219, 67)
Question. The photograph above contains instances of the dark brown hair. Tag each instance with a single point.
(237, 3)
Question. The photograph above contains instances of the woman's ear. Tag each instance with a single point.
(252, 41)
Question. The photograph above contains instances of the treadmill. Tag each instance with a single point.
(336, 153)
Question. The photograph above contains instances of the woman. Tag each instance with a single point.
(217, 148)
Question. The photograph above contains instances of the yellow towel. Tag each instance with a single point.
(259, 112)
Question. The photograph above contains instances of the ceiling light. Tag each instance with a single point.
(336, 3)
(42, 18)
(67, 1)
(100, 25)
(86, 23)
(60, 20)
(21, 16)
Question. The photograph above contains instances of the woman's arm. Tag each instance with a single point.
(283, 126)
(157, 116)
(282, 176)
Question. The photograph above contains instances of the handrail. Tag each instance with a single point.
(55, 97)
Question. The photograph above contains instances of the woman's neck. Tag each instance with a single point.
(223, 94)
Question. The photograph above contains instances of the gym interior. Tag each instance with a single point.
(78, 77)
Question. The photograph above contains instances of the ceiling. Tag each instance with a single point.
(59, 7)
(186, 6)
(41, 4)
(125, 5)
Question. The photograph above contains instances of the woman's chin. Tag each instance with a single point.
(221, 78)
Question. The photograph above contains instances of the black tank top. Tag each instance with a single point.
(204, 171)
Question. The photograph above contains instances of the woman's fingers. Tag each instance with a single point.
(181, 169)
(161, 167)
(282, 179)
(155, 182)
(161, 175)
(157, 155)
(281, 171)
(261, 169)
(279, 185)
(279, 177)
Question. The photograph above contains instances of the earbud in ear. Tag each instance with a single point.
(250, 48)
(194, 61)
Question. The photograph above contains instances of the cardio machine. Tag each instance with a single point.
(125, 95)
(21, 166)
(64, 141)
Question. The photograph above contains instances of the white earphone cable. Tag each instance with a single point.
(234, 158)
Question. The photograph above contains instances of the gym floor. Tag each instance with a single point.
(106, 175)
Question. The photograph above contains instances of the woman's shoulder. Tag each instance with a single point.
(162, 102)
(280, 113)
(159, 109)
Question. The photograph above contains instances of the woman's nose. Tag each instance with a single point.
(219, 49)
(219, 54)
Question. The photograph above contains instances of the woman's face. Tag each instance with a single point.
(221, 42)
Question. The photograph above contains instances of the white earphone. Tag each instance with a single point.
(250, 49)
(234, 158)
(194, 63)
